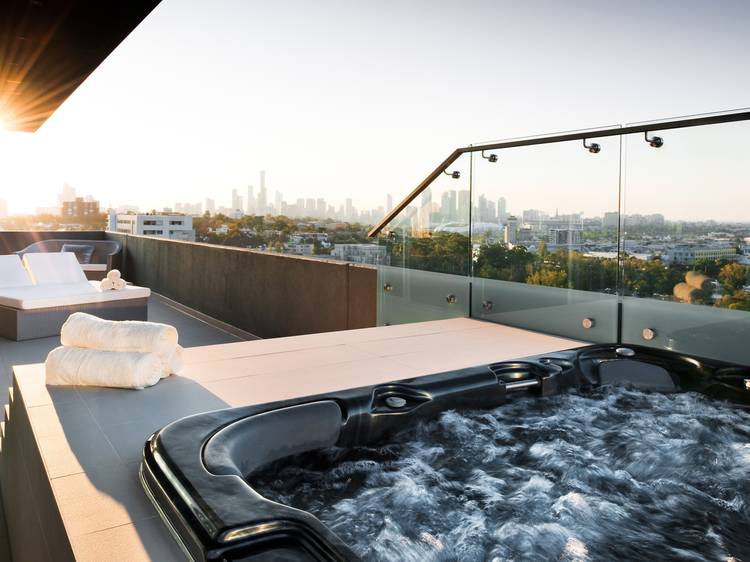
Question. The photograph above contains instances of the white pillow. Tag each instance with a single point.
(12, 272)
(54, 268)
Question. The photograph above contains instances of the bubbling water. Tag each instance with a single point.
(617, 474)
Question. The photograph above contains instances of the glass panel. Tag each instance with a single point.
(686, 241)
(544, 237)
(425, 276)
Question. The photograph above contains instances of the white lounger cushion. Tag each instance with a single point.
(94, 267)
(69, 294)
(54, 268)
(13, 273)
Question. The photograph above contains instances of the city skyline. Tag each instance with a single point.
(451, 207)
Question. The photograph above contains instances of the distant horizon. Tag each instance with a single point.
(125, 208)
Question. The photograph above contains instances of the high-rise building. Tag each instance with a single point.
(464, 204)
(320, 208)
(425, 212)
(237, 201)
(278, 199)
(611, 220)
(389, 203)
(210, 206)
(448, 205)
(349, 212)
(250, 200)
(502, 210)
(510, 231)
(485, 210)
(262, 205)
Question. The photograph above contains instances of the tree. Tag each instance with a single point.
(737, 301)
(549, 278)
(733, 277)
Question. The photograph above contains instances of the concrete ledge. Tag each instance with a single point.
(70, 456)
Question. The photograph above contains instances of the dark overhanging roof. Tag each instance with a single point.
(49, 47)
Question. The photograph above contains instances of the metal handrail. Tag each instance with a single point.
(578, 135)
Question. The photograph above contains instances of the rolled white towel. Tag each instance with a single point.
(118, 284)
(87, 331)
(114, 274)
(106, 284)
(90, 367)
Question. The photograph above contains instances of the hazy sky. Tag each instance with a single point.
(358, 99)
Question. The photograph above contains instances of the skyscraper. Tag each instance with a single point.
(349, 210)
(210, 206)
(237, 201)
(502, 211)
(425, 210)
(278, 199)
(464, 204)
(448, 205)
(250, 200)
(510, 232)
(262, 205)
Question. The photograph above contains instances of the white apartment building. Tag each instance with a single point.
(173, 226)
(688, 254)
(360, 253)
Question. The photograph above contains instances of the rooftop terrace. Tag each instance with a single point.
(461, 288)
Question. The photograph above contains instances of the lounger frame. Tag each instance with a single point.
(19, 324)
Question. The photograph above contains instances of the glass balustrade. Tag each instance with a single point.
(639, 237)
(544, 237)
(686, 239)
(428, 253)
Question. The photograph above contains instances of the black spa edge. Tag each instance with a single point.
(195, 469)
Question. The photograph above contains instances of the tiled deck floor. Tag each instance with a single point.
(193, 332)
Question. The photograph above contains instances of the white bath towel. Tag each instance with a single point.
(90, 367)
(87, 331)
(113, 282)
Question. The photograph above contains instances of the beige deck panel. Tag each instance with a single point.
(90, 439)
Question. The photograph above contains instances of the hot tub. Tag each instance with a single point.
(198, 471)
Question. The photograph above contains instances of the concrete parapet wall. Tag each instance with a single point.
(266, 294)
